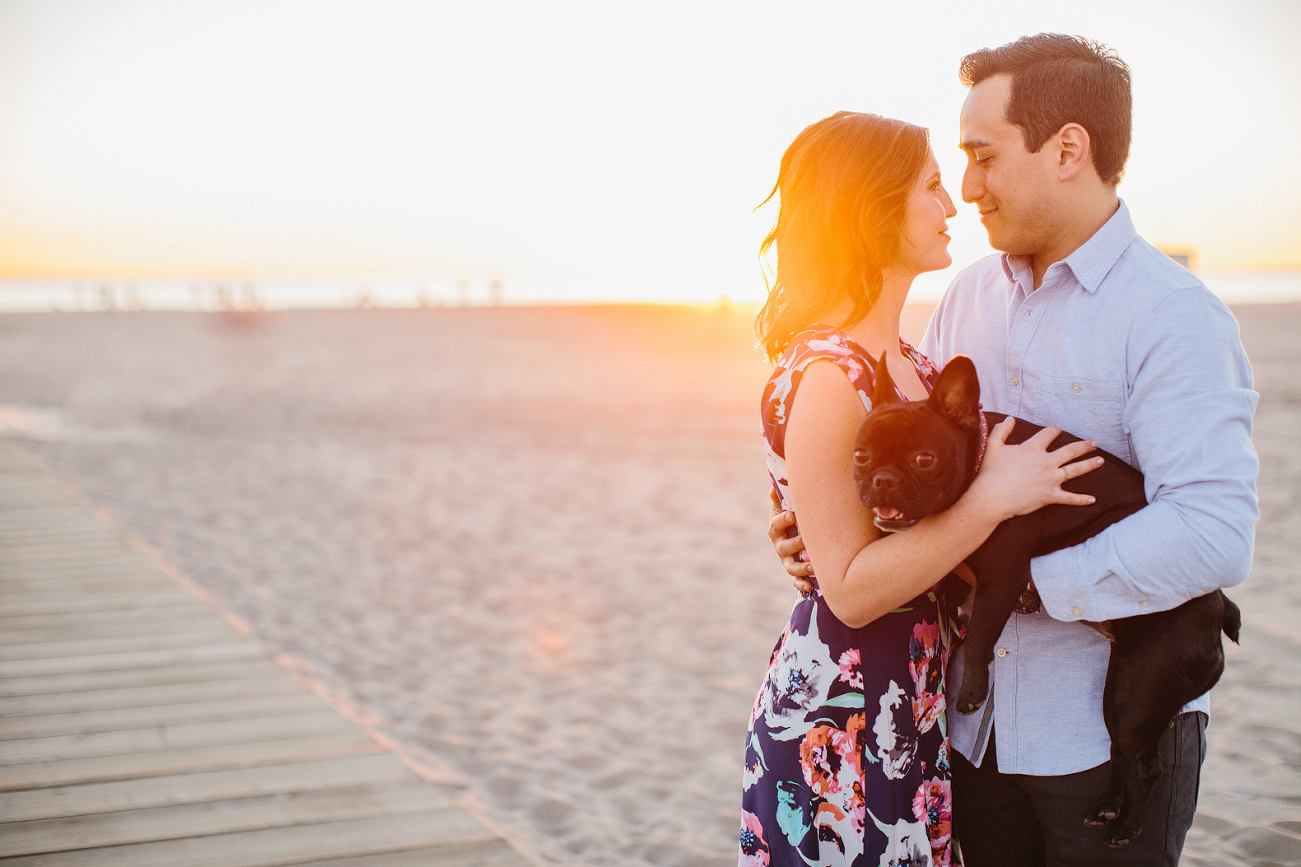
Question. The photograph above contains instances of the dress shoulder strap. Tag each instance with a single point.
(821, 343)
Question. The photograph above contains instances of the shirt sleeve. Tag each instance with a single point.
(1188, 417)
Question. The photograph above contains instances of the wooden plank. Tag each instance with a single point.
(69, 540)
(225, 650)
(177, 736)
(279, 846)
(137, 728)
(203, 786)
(17, 537)
(189, 634)
(153, 695)
(124, 627)
(173, 610)
(67, 580)
(79, 681)
(53, 558)
(69, 520)
(67, 772)
(245, 814)
(135, 599)
(44, 587)
(139, 717)
(126, 565)
(478, 853)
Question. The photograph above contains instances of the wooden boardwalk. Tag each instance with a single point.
(138, 728)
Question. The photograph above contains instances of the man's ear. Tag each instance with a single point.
(883, 391)
(1075, 151)
(957, 393)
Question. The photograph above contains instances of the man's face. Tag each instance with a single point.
(1013, 188)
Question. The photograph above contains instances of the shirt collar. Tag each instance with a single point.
(1094, 259)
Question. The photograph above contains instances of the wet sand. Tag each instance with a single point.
(527, 544)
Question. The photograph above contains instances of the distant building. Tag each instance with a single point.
(1185, 256)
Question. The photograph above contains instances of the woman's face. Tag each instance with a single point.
(924, 245)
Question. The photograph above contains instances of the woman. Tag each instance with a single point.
(846, 759)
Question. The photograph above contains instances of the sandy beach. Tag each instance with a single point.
(527, 544)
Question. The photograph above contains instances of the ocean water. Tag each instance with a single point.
(31, 295)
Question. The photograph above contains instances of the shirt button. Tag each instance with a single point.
(1077, 611)
(1002, 651)
(1144, 603)
(1075, 387)
(1015, 381)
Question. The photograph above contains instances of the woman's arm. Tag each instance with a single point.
(863, 574)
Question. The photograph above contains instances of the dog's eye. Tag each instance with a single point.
(861, 456)
(924, 460)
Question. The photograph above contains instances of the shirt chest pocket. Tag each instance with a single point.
(1090, 408)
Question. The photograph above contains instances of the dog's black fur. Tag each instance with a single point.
(913, 459)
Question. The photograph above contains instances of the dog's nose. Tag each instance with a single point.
(884, 482)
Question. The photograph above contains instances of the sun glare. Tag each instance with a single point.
(613, 145)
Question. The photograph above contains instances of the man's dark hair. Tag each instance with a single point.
(1059, 79)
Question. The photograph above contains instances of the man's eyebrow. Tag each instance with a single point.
(972, 144)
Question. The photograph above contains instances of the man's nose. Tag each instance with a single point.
(971, 188)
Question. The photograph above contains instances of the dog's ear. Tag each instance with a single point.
(957, 393)
(883, 392)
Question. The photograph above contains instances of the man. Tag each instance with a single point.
(1081, 323)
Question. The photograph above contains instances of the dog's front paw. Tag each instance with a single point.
(1104, 809)
(1099, 816)
(970, 700)
(1116, 836)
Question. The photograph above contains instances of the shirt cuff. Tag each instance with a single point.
(1067, 595)
(1055, 576)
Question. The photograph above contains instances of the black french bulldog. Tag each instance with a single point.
(913, 459)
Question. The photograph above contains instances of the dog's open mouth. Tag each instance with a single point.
(891, 520)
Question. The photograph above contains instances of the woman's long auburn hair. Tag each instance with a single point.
(842, 194)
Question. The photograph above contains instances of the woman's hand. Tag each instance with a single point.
(790, 550)
(1017, 479)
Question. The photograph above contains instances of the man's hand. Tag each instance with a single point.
(790, 550)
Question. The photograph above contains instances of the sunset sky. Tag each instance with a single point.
(618, 144)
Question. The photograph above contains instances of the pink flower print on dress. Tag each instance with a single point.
(927, 670)
(835, 345)
(933, 806)
(851, 668)
(754, 849)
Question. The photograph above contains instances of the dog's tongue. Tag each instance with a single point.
(887, 513)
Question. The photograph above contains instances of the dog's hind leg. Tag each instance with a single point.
(1107, 807)
(1142, 773)
(1143, 708)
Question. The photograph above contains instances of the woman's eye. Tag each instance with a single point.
(924, 461)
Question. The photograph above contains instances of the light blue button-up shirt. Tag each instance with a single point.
(1121, 345)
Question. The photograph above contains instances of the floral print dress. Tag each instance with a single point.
(846, 761)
